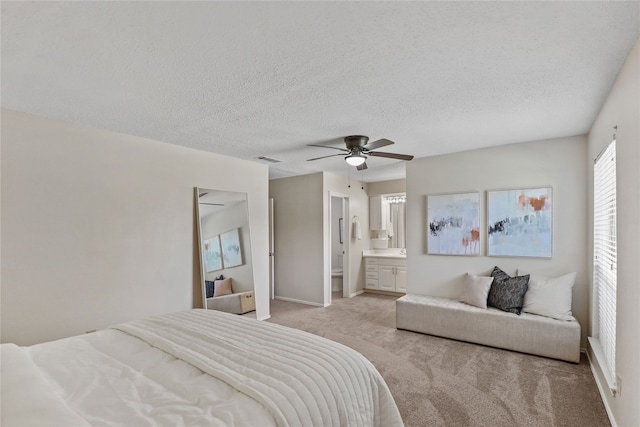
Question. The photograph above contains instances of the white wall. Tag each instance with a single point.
(99, 227)
(622, 108)
(387, 187)
(560, 163)
(358, 207)
(298, 238)
(301, 230)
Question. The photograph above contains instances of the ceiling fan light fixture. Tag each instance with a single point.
(355, 159)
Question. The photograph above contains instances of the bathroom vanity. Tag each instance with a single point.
(385, 271)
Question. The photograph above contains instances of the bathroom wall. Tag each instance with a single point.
(302, 234)
(385, 187)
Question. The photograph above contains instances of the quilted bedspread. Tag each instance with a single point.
(198, 367)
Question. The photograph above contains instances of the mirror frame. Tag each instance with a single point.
(245, 236)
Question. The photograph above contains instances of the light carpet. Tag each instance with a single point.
(441, 382)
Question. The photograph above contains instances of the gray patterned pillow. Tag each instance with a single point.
(507, 293)
(498, 274)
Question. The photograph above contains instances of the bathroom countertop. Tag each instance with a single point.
(384, 254)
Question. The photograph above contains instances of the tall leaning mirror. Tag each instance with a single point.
(226, 266)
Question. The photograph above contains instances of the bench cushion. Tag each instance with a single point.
(526, 333)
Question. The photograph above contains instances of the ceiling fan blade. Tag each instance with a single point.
(362, 166)
(324, 157)
(377, 144)
(390, 155)
(328, 146)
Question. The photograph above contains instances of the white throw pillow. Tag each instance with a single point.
(549, 296)
(476, 290)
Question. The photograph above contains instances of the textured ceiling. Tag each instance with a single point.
(257, 79)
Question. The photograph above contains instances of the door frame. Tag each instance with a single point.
(272, 273)
(346, 276)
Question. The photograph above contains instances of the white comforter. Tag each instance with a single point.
(152, 372)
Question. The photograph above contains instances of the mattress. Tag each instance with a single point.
(193, 368)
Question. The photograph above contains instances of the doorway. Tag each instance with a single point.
(272, 262)
(339, 283)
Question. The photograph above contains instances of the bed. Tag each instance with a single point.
(193, 368)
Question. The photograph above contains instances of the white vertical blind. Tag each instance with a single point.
(604, 259)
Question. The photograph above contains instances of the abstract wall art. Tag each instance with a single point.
(212, 255)
(453, 224)
(519, 222)
(231, 252)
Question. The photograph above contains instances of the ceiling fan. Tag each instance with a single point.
(358, 148)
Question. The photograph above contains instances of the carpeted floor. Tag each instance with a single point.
(441, 382)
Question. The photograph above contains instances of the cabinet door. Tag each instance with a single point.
(378, 213)
(386, 278)
(401, 279)
(374, 213)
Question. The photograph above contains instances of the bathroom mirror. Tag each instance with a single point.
(224, 240)
(397, 233)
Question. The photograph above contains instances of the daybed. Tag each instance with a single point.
(526, 333)
(193, 368)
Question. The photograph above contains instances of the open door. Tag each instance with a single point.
(271, 252)
(339, 242)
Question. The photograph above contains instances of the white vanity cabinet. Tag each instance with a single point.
(371, 273)
(392, 275)
(378, 213)
(386, 274)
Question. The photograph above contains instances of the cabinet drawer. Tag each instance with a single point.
(371, 284)
(371, 267)
(393, 262)
(370, 261)
(371, 275)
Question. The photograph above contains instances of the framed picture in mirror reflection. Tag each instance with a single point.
(212, 254)
(231, 251)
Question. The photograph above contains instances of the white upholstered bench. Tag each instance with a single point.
(526, 333)
(239, 303)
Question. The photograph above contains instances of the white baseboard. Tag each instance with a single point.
(355, 294)
(315, 304)
(602, 390)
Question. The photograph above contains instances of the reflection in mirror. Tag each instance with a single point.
(225, 251)
(397, 219)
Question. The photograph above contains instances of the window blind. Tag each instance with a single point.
(605, 260)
